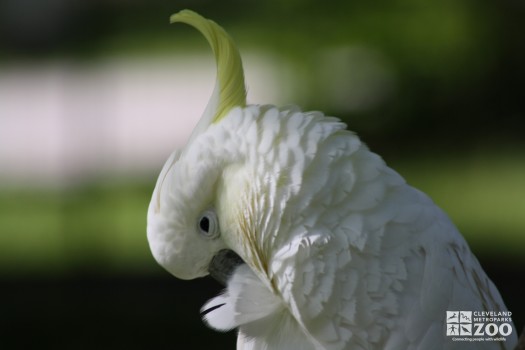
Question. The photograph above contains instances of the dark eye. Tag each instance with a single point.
(204, 224)
(208, 224)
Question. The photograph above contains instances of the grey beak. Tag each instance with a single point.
(223, 264)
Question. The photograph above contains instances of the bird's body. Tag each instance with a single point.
(339, 252)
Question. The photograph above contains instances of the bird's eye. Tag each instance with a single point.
(208, 224)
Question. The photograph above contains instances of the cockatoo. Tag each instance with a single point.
(320, 244)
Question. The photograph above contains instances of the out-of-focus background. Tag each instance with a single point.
(94, 96)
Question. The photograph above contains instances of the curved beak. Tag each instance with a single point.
(223, 265)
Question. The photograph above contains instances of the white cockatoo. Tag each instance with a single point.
(319, 243)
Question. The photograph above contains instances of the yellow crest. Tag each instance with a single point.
(230, 85)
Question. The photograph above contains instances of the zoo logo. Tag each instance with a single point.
(460, 323)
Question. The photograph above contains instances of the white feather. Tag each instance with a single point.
(358, 257)
(245, 300)
(340, 252)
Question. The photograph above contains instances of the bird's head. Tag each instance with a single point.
(184, 223)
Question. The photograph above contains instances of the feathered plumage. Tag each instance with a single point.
(339, 252)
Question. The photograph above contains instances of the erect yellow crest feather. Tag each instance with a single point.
(230, 74)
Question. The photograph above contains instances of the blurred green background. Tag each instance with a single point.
(94, 95)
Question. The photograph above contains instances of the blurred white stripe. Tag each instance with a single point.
(61, 121)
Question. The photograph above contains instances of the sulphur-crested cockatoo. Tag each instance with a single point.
(320, 244)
